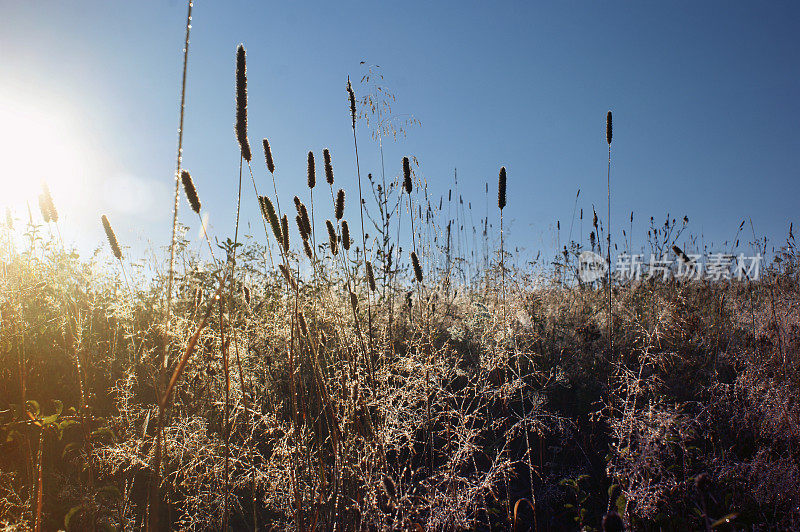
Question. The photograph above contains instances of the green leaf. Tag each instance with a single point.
(621, 503)
(34, 407)
(70, 515)
(64, 425)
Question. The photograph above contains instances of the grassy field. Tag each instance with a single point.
(291, 381)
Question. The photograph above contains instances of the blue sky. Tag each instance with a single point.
(704, 96)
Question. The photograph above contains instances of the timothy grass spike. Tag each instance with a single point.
(370, 276)
(112, 238)
(312, 172)
(272, 218)
(191, 192)
(417, 267)
(608, 127)
(339, 210)
(345, 235)
(241, 103)
(43, 208)
(501, 189)
(407, 184)
(285, 232)
(351, 95)
(49, 203)
(332, 237)
(326, 156)
(268, 157)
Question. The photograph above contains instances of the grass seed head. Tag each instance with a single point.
(43, 208)
(370, 276)
(112, 238)
(332, 237)
(339, 210)
(268, 157)
(9, 219)
(285, 232)
(608, 128)
(241, 103)
(501, 188)
(352, 97)
(345, 235)
(307, 249)
(49, 204)
(288, 276)
(326, 156)
(312, 171)
(269, 212)
(301, 227)
(191, 192)
(407, 184)
(417, 267)
(306, 219)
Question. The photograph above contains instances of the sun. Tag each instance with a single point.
(38, 143)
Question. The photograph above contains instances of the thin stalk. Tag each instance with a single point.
(178, 173)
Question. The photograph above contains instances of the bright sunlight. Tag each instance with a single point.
(38, 143)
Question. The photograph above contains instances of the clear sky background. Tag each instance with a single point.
(704, 96)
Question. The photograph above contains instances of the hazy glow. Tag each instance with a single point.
(38, 144)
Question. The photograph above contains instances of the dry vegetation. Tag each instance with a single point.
(292, 384)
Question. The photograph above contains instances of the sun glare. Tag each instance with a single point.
(38, 144)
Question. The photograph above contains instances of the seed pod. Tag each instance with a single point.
(268, 157)
(43, 208)
(345, 235)
(272, 218)
(49, 204)
(285, 232)
(339, 210)
(407, 185)
(370, 276)
(112, 238)
(608, 128)
(417, 267)
(312, 172)
(241, 103)
(501, 188)
(191, 192)
(332, 237)
(307, 249)
(351, 95)
(326, 156)
(301, 228)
